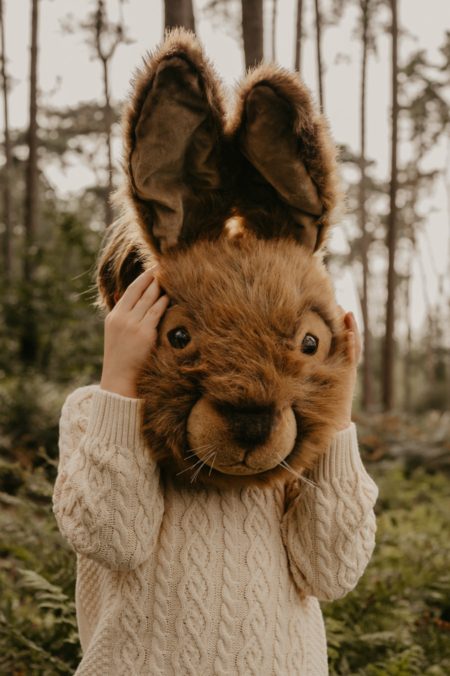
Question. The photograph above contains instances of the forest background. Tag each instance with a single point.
(379, 70)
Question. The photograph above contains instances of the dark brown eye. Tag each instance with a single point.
(179, 337)
(310, 344)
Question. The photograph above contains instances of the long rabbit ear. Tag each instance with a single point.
(173, 145)
(286, 141)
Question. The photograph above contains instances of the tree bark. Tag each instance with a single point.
(31, 179)
(29, 340)
(298, 36)
(253, 31)
(447, 188)
(367, 339)
(407, 398)
(319, 53)
(108, 125)
(274, 29)
(7, 169)
(389, 342)
(105, 57)
(179, 13)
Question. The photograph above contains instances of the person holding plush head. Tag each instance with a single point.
(211, 485)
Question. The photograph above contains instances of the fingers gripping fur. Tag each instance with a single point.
(124, 255)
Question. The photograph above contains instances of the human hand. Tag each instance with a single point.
(130, 333)
(352, 352)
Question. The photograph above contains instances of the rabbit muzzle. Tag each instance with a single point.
(241, 440)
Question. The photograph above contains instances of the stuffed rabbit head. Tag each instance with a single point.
(245, 381)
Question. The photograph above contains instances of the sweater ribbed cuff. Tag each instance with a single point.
(342, 458)
(116, 419)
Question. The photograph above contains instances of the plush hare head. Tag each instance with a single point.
(246, 378)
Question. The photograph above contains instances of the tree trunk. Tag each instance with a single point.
(108, 127)
(274, 29)
(179, 13)
(105, 56)
(319, 54)
(447, 187)
(407, 398)
(253, 31)
(367, 340)
(31, 216)
(389, 343)
(31, 182)
(7, 213)
(298, 36)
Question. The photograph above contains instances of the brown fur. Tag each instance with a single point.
(124, 255)
(310, 135)
(241, 301)
(204, 208)
(244, 288)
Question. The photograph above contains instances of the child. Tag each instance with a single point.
(205, 582)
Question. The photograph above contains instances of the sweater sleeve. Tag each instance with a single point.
(329, 527)
(107, 498)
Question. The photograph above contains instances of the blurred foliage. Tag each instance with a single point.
(38, 633)
(418, 442)
(397, 621)
(68, 130)
(68, 330)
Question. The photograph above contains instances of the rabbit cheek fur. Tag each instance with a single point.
(241, 397)
(235, 207)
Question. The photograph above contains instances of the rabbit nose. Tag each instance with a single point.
(250, 425)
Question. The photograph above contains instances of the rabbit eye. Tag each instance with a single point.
(179, 337)
(310, 344)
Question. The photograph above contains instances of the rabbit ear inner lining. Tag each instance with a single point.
(174, 152)
(268, 141)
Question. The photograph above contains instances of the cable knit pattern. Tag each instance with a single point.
(229, 600)
(107, 500)
(195, 588)
(174, 581)
(162, 586)
(329, 556)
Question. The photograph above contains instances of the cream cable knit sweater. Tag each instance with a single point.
(205, 582)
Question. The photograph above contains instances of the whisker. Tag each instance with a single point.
(198, 470)
(206, 460)
(289, 469)
(190, 467)
(287, 466)
(199, 448)
(200, 460)
(192, 455)
(308, 482)
(202, 446)
(214, 460)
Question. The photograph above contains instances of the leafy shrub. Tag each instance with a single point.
(50, 325)
(397, 621)
(29, 412)
(38, 634)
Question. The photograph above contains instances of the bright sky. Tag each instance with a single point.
(67, 75)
